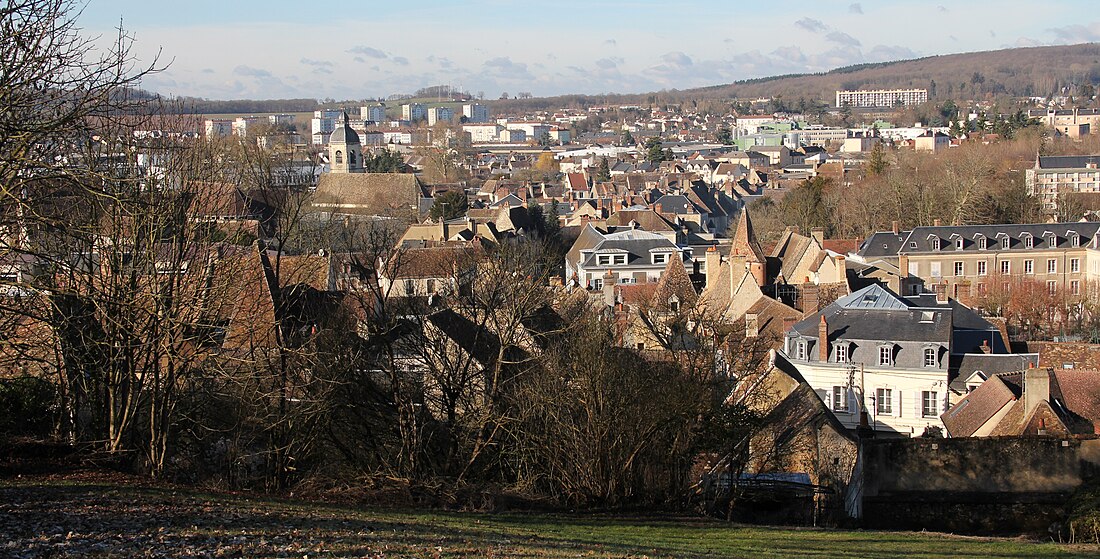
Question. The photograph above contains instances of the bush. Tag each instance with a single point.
(28, 406)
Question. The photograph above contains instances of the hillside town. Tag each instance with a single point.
(815, 313)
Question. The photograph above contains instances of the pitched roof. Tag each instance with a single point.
(744, 239)
(368, 193)
(977, 408)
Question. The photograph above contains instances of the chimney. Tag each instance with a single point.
(823, 340)
(810, 298)
(713, 260)
(985, 347)
(903, 265)
(1036, 388)
(819, 235)
(752, 325)
(609, 289)
(941, 293)
(937, 222)
(789, 323)
(895, 227)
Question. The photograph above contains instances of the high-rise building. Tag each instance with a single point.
(437, 114)
(475, 112)
(884, 98)
(373, 113)
(413, 112)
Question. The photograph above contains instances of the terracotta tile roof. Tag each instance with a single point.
(973, 411)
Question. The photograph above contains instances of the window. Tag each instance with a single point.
(885, 355)
(928, 401)
(431, 286)
(1052, 241)
(660, 258)
(410, 287)
(339, 157)
(1029, 266)
(959, 268)
(935, 244)
(1075, 287)
(884, 404)
(604, 260)
(929, 357)
(982, 289)
(913, 245)
(958, 244)
(1005, 267)
(982, 243)
(842, 353)
(800, 350)
(840, 398)
(935, 269)
(981, 267)
(597, 283)
(1052, 287)
(1075, 240)
(1004, 242)
(1029, 242)
(1052, 266)
(1074, 265)
(620, 259)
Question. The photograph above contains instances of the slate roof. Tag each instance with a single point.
(920, 239)
(1067, 161)
(647, 220)
(637, 243)
(875, 313)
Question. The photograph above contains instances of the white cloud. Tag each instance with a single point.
(811, 25)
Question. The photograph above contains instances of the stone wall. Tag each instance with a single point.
(974, 485)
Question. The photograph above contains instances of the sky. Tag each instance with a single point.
(248, 49)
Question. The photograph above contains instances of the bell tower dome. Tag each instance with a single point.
(345, 153)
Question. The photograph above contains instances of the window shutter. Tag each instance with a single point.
(898, 402)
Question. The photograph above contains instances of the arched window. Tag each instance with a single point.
(351, 158)
(339, 157)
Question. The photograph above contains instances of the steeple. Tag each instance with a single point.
(345, 153)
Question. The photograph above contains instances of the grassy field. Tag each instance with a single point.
(110, 516)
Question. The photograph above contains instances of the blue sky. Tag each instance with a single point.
(232, 49)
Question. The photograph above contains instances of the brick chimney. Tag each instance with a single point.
(789, 323)
(713, 260)
(1036, 388)
(937, 222)
(609, 289)
(903, 265)
(823, 340)
(819, 235)
(941, 292)
(985, 347)
(895, 227)
(810, 298)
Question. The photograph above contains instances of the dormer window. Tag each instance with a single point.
(1004, 242)
(982, 243)
(1029, 242)
(800, 350)
(841, 353)
(959, 244)
(935, 243)
(929, 357)
(885, 355)
(1052, 241)
(1075, 240)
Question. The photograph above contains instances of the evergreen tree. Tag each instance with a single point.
(603, 170)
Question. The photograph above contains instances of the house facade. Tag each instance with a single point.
(883, 360)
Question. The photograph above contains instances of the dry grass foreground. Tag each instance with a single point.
(95, 515)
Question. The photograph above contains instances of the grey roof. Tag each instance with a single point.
(964, 365)
(883, 243)
(676, 204)
(921, 239)
(637, 243)
(1068, 161)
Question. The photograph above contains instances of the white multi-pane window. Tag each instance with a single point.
(884, 401)
(929, 403)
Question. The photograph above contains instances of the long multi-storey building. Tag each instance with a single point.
(1054, 175)
(475, 112)
(881, 97)
(968, 259)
